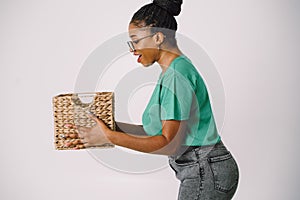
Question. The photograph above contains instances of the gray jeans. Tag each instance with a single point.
(208, 172)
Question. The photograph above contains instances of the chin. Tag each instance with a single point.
(147, 64)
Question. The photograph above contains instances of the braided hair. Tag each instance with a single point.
(159, 16)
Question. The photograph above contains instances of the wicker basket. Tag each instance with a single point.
(73, 109)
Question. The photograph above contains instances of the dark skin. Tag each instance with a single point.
(150, 50)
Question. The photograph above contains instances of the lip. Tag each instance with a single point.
(139, 56)
(135, 53)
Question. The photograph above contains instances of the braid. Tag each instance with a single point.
(159, 16)
(154, 16)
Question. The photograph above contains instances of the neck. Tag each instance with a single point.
(166, 57)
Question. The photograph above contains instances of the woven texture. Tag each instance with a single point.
(72, 109)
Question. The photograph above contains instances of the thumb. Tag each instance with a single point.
(93, 117)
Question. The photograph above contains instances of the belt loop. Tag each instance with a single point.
(196, 154)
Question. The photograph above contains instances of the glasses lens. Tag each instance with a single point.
(130, 44)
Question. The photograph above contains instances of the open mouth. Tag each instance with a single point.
(139, 58)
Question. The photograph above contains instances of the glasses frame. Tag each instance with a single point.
(132, 42)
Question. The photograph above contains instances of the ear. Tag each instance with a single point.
(159, 38)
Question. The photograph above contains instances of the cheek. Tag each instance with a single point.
(146, 45)
(148, 56)
(149, 52)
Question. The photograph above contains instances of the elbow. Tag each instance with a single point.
(170, 147)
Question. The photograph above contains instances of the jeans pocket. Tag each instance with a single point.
(187, 170)
(225, 172)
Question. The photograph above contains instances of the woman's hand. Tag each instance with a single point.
(94, 136)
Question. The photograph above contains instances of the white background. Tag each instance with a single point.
(253, 43)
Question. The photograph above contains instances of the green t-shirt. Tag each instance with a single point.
(181, 94)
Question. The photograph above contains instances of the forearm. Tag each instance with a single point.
(147, 144)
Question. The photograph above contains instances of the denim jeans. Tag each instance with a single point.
(208, 172)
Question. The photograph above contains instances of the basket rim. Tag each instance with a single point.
(85, 93)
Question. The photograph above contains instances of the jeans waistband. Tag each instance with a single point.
(199, 150)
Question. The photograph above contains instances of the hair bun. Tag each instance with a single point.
(172, 6)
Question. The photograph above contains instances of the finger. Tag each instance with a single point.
(69, 125)
(79, 146)
(68, 144)
(72, 143)
(93, 117)
(86, 145)
(97, 120)
(83, 141)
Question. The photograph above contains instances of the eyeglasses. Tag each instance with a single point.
(131, 43)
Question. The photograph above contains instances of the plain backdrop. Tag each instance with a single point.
(43, 44)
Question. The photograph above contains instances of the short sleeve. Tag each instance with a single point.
(176, 97)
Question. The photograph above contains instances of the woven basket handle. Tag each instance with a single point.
(84, 98)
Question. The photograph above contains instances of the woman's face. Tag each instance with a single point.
(144, 45)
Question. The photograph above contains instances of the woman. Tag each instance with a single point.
(178, 120)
